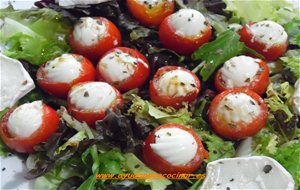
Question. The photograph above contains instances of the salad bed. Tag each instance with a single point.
(75, 153)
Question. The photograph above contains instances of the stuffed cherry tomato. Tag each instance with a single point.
(173, 148)
(237, 114)
(171, 86)
(89, 101)
(57, 76)
(28, 125)
(150, 12)
(94, 36)
(243, 71)
(184, 31)
(124, 68)
(266, 37)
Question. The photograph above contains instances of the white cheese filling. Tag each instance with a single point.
(15, 81)
(188, 23)
(25, 119)
(118, 66)
(268, 32)
(296, 97)
(256, 172)
(238, 107)
(89, 31)
(175, 145)
(176, 83)
(239, 71)
(64, 69)
(93, 96)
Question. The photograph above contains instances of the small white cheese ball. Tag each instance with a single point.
(175, 145)
(176, 83)
(268, 32)
(188, 23)
(92, 96)
(238, 107)
(88, 31)
(239, 71)
(25, 119)
(64, 68)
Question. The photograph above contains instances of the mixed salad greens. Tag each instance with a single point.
(71, 158)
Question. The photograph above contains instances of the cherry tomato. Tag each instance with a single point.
(272, 47)
(258, 84)
(49, 125)
(124, 68)
(89, 101)
(184, 31)
(237, 113)
(171, 86)
(160, 164)
(94, 36)
(150, 14)
(57, 76)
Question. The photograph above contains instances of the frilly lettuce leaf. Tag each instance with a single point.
(289, 156)
(268, 142)
(265, 142)
(292, 61)
(156, 115)
(278, 96)
(279, 11)
(217, 147)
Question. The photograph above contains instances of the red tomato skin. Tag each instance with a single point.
(180, 44)
(139, 77)
(94, 52)
(90, 117)
(61, 90)
(258, 85)
(271, 54)
(242, 129)
(50, 123)
(175, 102)
(160, 165)
(150, 17)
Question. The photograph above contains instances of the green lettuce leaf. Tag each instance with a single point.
(215, 53)
(280, 115)
(293, 30)
(278, 96)
(111, 162)
(72, 142)
(217, 147)
(34, 35)
(289, 157)
(291, 61)
(265, 142)
(279, 11)
(61, 172)
(4, 151)
(134, 165)
(269, 142)
(156, 115)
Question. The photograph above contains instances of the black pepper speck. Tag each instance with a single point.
(267, 168)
